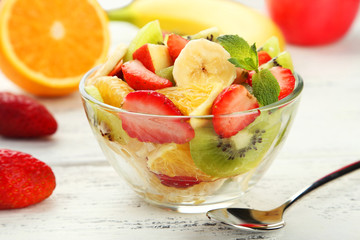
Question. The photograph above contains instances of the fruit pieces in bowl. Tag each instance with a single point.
(191, 112)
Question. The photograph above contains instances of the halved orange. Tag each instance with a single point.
(47, 46)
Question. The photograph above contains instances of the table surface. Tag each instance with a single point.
(92, 202)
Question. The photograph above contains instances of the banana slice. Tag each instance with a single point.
(205, 108)
(203, 63)
(109, 64)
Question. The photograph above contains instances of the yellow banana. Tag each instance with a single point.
(191, 16)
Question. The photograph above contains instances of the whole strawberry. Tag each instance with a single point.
(24, 180)
(24, 117)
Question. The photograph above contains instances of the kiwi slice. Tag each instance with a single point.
(227, 157)
(210, 34)
(271, 46)
(94, 92)
(283, 60)
(109, 125)
(150, 33)
(167, 73)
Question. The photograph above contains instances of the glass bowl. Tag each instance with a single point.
(204, 173)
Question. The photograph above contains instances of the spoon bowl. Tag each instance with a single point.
(252, 219)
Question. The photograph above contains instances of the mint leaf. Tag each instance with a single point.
(237, 62)
(250, 63)
(242, 55)
(254, 55)
(265, 86)
(234, 44)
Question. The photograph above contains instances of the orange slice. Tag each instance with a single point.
(175, 160)
(47, 46)
(113, 90)
(190, 99)
(186, 98)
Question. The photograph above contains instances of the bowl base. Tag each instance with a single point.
(193, 208)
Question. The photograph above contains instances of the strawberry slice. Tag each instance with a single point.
(249, 77)
(140, 78)
(178, 181)
(235, 98)
(263, 57)
(175, 44)
(117, 70)
(285, 79)
(152, 128)
(242, 75)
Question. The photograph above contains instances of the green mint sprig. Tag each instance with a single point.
(265, 86)
(242, 54)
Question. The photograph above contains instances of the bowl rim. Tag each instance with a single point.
(292, 97)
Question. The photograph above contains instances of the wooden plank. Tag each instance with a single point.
(93, 201)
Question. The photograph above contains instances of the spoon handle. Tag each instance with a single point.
(336, 174)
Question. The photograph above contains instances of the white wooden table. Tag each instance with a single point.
(92, 202)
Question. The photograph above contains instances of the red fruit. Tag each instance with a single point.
(23, 117)
(153, 56)
(175, 44)
(235, 98)
(285, 79)
(178, 181)
(143, 55)
(151, 128)
(264, 57)
(117, 70)
(140, 78)
(24, 180)
(241, 75)
(249, 78)
(309, 22)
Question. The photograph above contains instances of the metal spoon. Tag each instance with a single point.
(252, 219)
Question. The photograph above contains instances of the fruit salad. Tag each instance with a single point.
(191, 120)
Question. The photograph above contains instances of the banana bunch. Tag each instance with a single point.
(191, 16)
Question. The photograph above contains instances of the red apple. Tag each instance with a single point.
(153, 56)
(313, 22)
